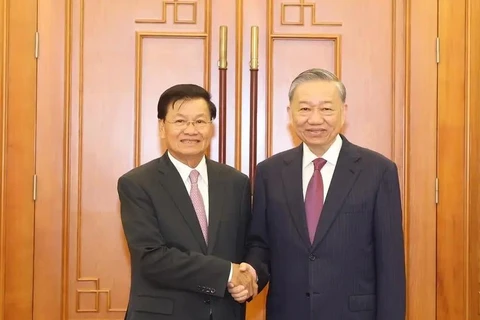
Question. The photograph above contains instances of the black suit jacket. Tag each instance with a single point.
(355, 268)
(174, 274)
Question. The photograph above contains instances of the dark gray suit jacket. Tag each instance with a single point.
(355, 268)
(174, 274)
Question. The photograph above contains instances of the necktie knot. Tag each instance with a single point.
(194, 176)
(319, 163)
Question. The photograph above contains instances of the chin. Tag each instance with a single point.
(317, 140)
(192, 151)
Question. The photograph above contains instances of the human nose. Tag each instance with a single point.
(190, 128)
(316, 117)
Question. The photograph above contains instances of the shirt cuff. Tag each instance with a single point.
(231, 271)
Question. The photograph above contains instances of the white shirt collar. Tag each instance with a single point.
(185, 170)
(331, 155)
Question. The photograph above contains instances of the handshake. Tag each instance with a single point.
(243, 284)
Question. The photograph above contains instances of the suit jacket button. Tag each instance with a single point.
(312, 257)
(212, 291)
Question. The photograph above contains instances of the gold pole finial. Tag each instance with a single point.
(254, 48)
(222, 63)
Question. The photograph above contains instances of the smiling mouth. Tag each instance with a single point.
(316, 131)
(189, 141)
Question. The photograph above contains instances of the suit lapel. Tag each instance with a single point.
(292, 183)
(344, 176)
(173, 184)
(216, 197)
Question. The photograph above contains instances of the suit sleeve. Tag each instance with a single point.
(167, 267)
(257, 240)
(389, 249)
(246, 213)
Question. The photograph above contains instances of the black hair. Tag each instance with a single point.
(182, 92)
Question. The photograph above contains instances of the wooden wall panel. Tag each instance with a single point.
(452, 250)
(17, 127)
(458, 225)
(420, 120)
(3, 78)
(473, 158)
(51, 137)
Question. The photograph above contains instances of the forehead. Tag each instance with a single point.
(186, 107)
(316, 90)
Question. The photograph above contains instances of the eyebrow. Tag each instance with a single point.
(312, 104)
(195, 117)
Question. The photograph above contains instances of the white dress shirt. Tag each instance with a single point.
(184, 172)
(327, 171)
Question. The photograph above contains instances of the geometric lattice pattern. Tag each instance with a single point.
(176, 20)
(302, 5)
(97, 291)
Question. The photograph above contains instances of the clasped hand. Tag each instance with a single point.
(243, 284)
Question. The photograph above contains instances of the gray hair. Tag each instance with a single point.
(317, 74)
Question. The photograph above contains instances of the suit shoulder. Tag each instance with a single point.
(278, 158)
(142, 172)
(375, 158)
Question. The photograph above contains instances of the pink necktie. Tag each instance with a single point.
(314, 198)
(198, 204)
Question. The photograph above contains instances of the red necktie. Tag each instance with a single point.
(314, 198)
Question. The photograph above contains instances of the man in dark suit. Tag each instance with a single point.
(327, 218)
(185, 219)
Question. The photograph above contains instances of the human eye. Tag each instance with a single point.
(327, 111)
(304, 109)
(179, 121)
(201, 122)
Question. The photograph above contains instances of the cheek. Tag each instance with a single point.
(207, 134)
(173, 136)
(299, 123)
(334, 122)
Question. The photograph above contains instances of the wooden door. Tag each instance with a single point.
(17, 157)
(458, 214)
(103, 65)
